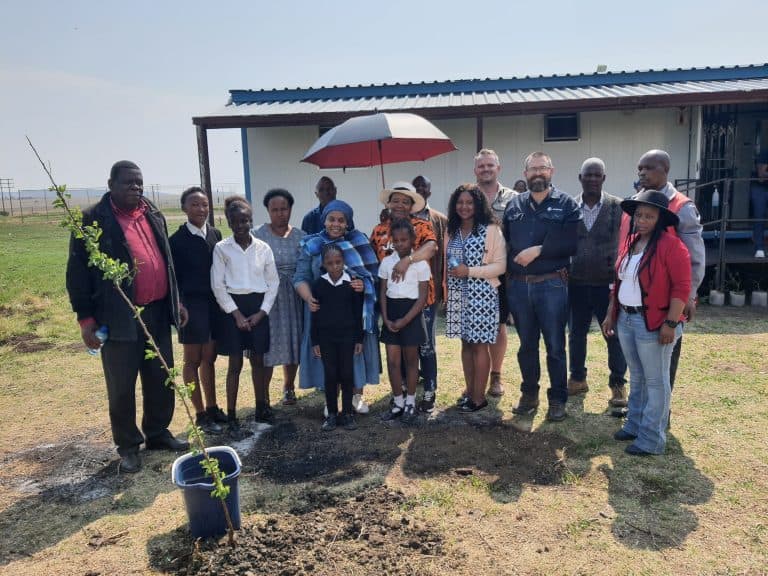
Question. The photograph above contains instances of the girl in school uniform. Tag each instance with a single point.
(192, 248)
(337, 335)
(403, 329)
(245, 282)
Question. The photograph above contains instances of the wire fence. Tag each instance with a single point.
(37, 204)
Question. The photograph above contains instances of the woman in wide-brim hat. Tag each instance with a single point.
(653, 281)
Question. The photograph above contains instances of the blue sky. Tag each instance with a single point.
(92, 82)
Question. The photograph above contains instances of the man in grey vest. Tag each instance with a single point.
(590, 280)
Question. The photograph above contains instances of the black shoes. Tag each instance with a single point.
(234, 431)
(347, 421)
(633, 450)
(130, 463)
(264, 414)
(527, 405)
(427, 403)
(394, 412)
(556, 412)
(409, 414)
(623, 436)
(470, 406)
(167, 442)
(216, 414)
(330, 423)
(206, 424)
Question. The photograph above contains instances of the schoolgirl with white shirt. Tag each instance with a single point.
(245, 282)
(403, 328)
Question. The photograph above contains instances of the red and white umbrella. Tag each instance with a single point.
(378, 139)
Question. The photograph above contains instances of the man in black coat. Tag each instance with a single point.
(134, 232)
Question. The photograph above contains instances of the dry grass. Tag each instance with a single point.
(560, 499)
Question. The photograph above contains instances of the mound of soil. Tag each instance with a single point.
(367, 534)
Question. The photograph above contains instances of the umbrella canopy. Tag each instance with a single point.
(378, 139)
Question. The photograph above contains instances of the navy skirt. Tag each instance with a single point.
(231, 340)
(412, 334)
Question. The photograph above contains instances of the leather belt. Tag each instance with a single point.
(632, 309)
(534, 278)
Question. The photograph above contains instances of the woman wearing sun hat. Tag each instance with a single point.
(653, 281)
(403, 202)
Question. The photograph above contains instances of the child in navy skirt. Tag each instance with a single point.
(337, 335)
(192, 248)
(404, 330)
(245, 282)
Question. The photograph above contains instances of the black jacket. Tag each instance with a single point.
(91, 295)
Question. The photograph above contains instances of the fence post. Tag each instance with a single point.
(21, 210)
(725, 214)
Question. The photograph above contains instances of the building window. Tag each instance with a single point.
(561, 127)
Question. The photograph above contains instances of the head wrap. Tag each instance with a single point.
(339, 206)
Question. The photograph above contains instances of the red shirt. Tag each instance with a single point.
(150, 282)
(667, 277)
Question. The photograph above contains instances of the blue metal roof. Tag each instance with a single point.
(457, 87)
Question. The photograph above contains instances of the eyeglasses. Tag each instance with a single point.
(538, 169)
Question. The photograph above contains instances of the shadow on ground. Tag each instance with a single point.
(61, 488)
(651, 496)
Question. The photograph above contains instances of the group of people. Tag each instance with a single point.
(319, 300)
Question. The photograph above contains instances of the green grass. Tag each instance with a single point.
(699, 509)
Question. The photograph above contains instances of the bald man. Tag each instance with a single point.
(653, 173)
(591, 275)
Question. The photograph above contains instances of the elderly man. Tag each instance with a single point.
(403, 201)
(134, 232)
(427, 352)
(653, 171)
(540, 227)
(487, 170)
(592, 273)
(325, 191)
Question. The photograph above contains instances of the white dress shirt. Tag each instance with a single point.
(408, 287)
(195, 231)
(238, 271)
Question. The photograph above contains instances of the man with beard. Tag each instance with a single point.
(540, 227)
(487, 169)
(653, 171)
(592, 273)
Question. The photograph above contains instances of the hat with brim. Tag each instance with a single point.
(651, 198)
(407, 189)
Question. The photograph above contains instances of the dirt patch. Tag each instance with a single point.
(62, 472)
(367, 534)
(26, 343)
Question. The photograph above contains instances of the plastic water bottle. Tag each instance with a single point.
(715, 198)
(102, 334)
(453, 262)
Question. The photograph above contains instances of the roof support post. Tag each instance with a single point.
(205, 167)
(479, 133)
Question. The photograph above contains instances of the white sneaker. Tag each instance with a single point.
(359, 404)
(760, 254)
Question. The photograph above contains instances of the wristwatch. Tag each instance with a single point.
(672, 323)
(410, 258)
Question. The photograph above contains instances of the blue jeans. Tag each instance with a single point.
(759, 197)
(427, 352)
(541, 309)
(584, 302)
(649, 390)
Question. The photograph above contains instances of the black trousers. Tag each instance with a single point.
(338, 369)
(122, 362)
